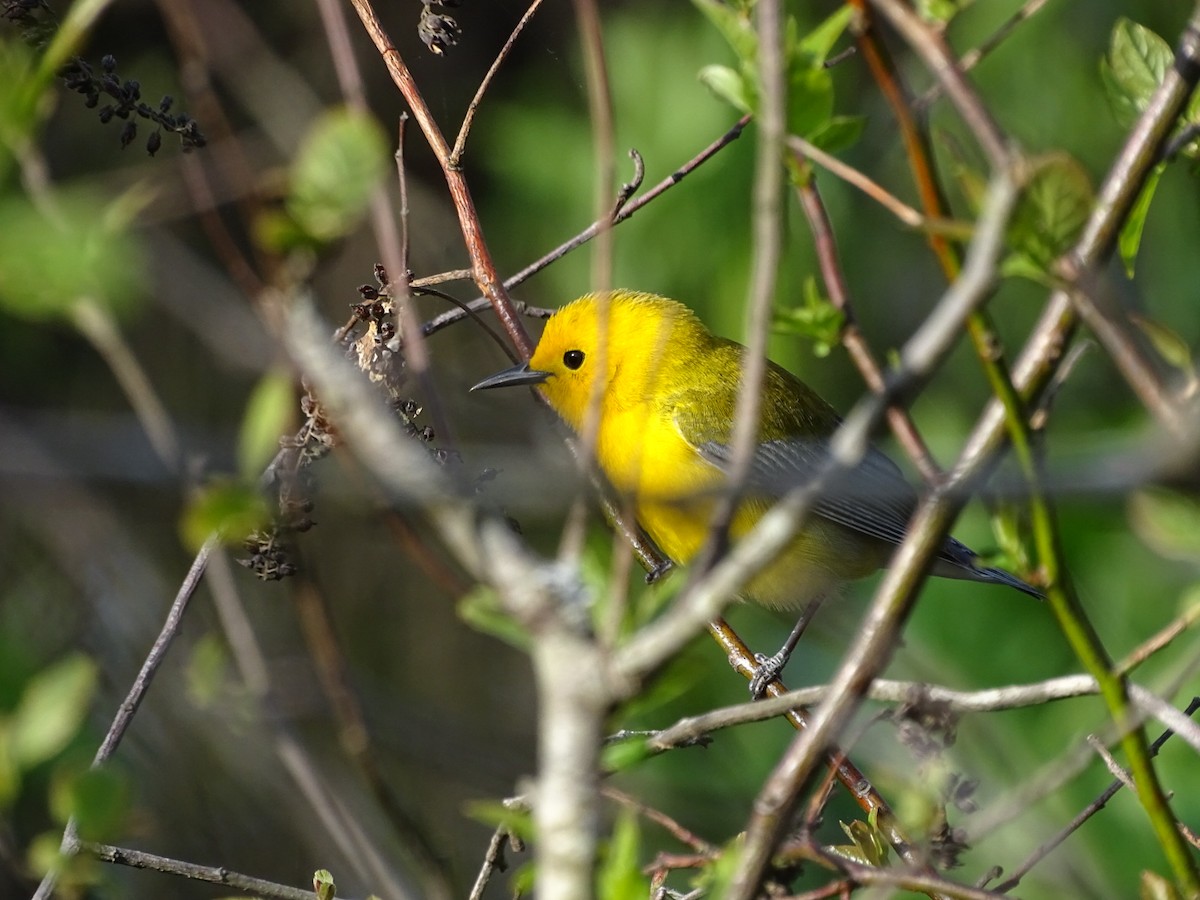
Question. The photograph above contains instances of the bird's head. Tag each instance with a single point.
(620, 339)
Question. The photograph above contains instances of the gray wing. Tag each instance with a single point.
(873, 498)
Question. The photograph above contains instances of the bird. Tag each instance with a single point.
(667, 394)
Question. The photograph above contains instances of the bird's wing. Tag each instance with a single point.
(872, 498)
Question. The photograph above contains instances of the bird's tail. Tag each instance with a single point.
(999, 576)
(957, 560)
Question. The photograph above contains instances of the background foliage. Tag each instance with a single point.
(93, 534)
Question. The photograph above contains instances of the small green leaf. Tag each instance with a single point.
(1168, 522)
(817, 319)
(867, 845)
(717, 879)
(493, 813)
(271, 407)
(323, 885)
(1022, 265)
(1170, 345)
(49, 262)
(838, 133)
(735, 26)
(52, 709)
(226, 508)
(940, 12)
(206, 670)
(1154, 887)
(482, 610)
(1052, 209)
(809, 99)
(97, 799)
(276, 230)
(1007, 527)
(622, 755)
(1130, 239)
(728, 85)
(10, 771)
(620, 876)
(1134, 67)
(817, 44)
(341, 162)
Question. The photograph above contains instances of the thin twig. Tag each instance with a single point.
(483, 267)
(858, 873)
(327, 804)
(98, 326)
(685, 836)
(1088, 811)
(975, 55)
(138, 859)
(493, 861)
(137, 692)
(854, 177)
(626, 210)
(460, 142)
(852, 337)
(883, 690)
(875, 641)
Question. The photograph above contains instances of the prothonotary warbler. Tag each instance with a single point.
(667, 399)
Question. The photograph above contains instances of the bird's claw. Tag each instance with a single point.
(767, 671)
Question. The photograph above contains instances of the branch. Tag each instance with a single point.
(483, 268)
(893, 601)
(138, 859)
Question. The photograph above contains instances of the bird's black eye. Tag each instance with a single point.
(573, 359)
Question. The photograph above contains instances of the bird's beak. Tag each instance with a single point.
(521, 374)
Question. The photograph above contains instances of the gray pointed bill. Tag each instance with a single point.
(517, 375)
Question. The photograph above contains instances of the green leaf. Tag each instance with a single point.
(493, 813)
(1170, 345)
(622, 755)
(728, 85)
(206, 669)
(49, 261)
(18, 106)
(809, 99)
(272, 405)
(52, 709)
(717, 879)
(868, 846)
(817, 319)
(323, 884)
(620, 876)
(1134, 67)
(1168, 522)
(341, 162)
(97, 799)
(482, 610)
(10, 771)
(1021, 265)
(940, 12)
(1154, 887)
(735, 26)
(838, 133)
(1052, 209)
(226, 508)
(1130, 239)
(817, 44)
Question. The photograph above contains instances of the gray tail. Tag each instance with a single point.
(999, 576)
(957, 560)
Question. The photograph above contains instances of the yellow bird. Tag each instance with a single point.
(667, 397)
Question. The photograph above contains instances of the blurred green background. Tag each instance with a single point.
(90, 549)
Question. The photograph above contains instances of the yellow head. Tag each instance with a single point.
(619, 338)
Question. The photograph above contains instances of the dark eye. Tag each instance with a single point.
(573, 359)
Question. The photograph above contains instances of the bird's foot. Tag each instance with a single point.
(767, 671)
